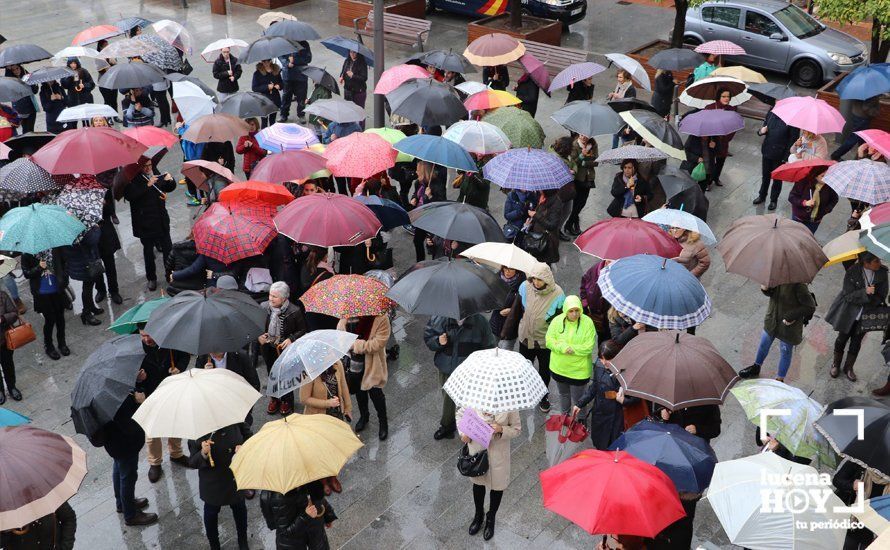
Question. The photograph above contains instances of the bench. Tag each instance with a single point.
(554, 58)
(396, 28)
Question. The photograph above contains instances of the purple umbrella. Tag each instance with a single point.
(536, 70)
(575, 73)
(712, 122)
(283, 136)
(528, 170)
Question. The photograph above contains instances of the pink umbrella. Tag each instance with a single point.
(393, 77)
(88, 151)
(4, 152)
(288, 166)
(536, 70)
(194, 170)
(360, 155)
(809, 113)
(720, 47)
(878, 139)
(327, 219)
(575, 73)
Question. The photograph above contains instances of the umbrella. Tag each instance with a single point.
(9, 418)
(863, 180)
(85, 204)
(306, 358)
(23, 177)
(470, 87)
(495, 381)
(47, 74)
(876, 215)
(450, 288)
(392, 136)
(771, 250)
(519, 126)
(130, 75)
(629, 103)
(616, 238)
(738, 492)
(327, 219)
(106, 379)
(130, 23)
(197, 172)
(499, 254)
(256, 192)
(61, 57)
(38, 227)
(494, 49)
(217, 127)
(12, 89)
(809, 113)
(427, 102)
(273, 17)
(675, 59)
(868, 417)
(4, 151)
(588, 118)
(95, 34)
(704, 91)
(865, 82)
(536, 70)
(88, 151)
(151, 136)
(322, 78)
(229, 233)
(877, 139)
(801, 170)
(20, 54)
(344, 296)
(128, 47)
(740, 73)
(685, 458)
(437, 150)
(336, 109)
(876, 517)
(445, 61)
(269, 47)
(179, 77)
(41, 471)
(247, 105)
(637, 152)
(285, 136)
(174, 34)
(127, 323)
(391, 214)
(684, 220)
(191, 101)
(575, 73)
(196, 402)
(874, 239)
(611, 492)
(288, 166)
(86, 111)
(393, 77)
(528, 170)
(632, 66)
(683, 193)
(770, 93)
(296, 31)
(222, 321)
(291, 452)
(490, 99)
(476, 136)
(457, 221)
(712, 122)
(844, 248)
(655, 130)
(360, 155)
(213, 50)
(342, 46)
(720, 47)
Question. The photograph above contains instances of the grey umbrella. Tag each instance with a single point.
(269, 47)
(292, 30)
(456, 221)
(426, 102)
(322, 78)
(445, 61)
(675, 59)
(247, 104)
(12, 88)
(22, 177)
(337, 110)
(588, 118)
(125, 76)
(179, 77)
(769, 93)
(18, 54)
(164, 56)
(47, 74)
(637, 152)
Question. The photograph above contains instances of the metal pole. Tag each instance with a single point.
(379, 120)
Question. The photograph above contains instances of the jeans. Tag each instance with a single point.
(211, 521)
(767, 167)
(785, 351)
(7, 365)
(293, 90)
(11, 288)
(569, 394)
(543, 357)
(124, 475)
(448, 419)
(148, 253)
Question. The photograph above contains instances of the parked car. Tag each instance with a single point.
(777, 36)
(565, 11)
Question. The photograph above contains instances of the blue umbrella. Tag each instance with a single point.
(437, 150)
(527, 169)
(864, 83)
(687, 459)
(342, 46)
(390, 213)
(10, 418)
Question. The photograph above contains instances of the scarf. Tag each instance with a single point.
(621, 89)
(629, 194)
(816, 198)
(275, 319)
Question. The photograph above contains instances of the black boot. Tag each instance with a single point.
(476, 524)
(361, 398)
(848, 367)
(87, 318)
(836, 364)
(752, 371)
(2, 394)
(382, 420)
(488, 532)
(51, 352)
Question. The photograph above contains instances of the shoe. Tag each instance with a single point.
(154, 473)
(883, 391)
(335, 485)
(100, 297)
(15, 394)
(97, 310)
(752, 371)
(575, 230)
(759, 200)
(772, 205)
(286, 408)
(361, 424)
(181, 460)
(88, 319)
(273, 406)
(565, 237)
(2, 396)
(476, 524)
(115, 220)
(249, 494)
(52, 353)
(139, 504)
(116, 298)
(444, 433)
(718, 184)
(64, 350)
(835, 370)
(848, 368)
(544, 405)
(141, 519)
(488, 532)
(392, 354)
(21, 306)
(383, 432)
(152, 286)
(708, 188)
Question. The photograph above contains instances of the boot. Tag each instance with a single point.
(836, 364)
(476, 524)
(848, 367)
(361, 399)
(488, 532)
(51, 352)
(883, 391)
(752, 371)
(87, 318)
(2, 394)
(380, 407)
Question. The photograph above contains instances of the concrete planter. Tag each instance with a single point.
(827, 93)
(535, 29)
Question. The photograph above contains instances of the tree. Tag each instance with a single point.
(857, 11)
(681, 7)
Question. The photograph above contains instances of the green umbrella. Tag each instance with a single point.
(126, 323)
(38, 227)
(794, 431)
(522, 129)
(392, 136)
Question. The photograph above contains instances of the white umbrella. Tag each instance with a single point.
(631, 65)
(471, 87)
(86, 111)
(476, 136)
(75, 51)
(196, 402)
(174, 34)
(683, 220)
(495, 381)
(191, 101)
(740, 487)
(273, 17)
(211, 52)
(306, 358)
(501, 254)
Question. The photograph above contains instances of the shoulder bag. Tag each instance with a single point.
(472, 465)
(20, 334)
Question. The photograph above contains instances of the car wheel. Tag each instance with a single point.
(806, 73)
(691, 40)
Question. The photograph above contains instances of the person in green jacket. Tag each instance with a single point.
(571, 339)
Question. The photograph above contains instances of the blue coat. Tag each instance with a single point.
(79, 256)
(302, 58)
(517, 205)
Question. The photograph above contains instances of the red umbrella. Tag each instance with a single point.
(151, 136)
(611, 492)
(327, 219)
(360, 155)
(256, 192)
(88, 151)
(197, 172)
(288, 166)
(95, 34)
(229, 233)
(801, 170)
(617, 238)
(536, 70)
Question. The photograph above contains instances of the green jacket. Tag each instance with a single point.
(584, 165)
(320, 92)
(791, 302)
(580, 336)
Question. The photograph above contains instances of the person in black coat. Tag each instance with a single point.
(48, 279)
(663, 92)
(517, 208)
(53, 101)
(109, 243)
(267, 81)
(496, 77)
(629, 189)
(548, 219)
(24, 107)
(703, 421)
(84, 264)
(299, 517)
(182, 255)
(147, 195)
(220, 152)
(778, 138)
(580, 91)
(513, 278)
(227, 71)
(847, 480)
(288, 324)
(51, 532)
(198, 269)
(354, 78)
(296, 84)
(527, 91)
(80, 86)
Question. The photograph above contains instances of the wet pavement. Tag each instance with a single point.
(406, 492)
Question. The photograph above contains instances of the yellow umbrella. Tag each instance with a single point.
(293, 451)
(843, 248)
(742, 73)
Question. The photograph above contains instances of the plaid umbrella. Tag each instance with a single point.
(519, 126)
(863, 180)
(495, 381)
(229, 233)
(393, 77)
(23, 177)
(344, 296)
(164, 56)
(285, 136)
(360, 155)
(47, 74)
(575, 73)
(83, 203)
(527, 169)
(637, 152)
(720, 47)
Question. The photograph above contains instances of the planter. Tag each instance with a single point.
(266, 4)
(827, 93)
(535, 29)
(348, 10)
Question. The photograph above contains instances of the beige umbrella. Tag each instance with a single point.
(843, 248)
(742, 73)
(217, 127)
(196, 402)
(501, 254)
(273, 17)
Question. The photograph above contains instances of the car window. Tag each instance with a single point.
(722, 15)
(798, 22)
(760, 24)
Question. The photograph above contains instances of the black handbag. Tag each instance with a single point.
(874, 318)
(472, 465)
(186, 67)
(535, 243)
(95, 270)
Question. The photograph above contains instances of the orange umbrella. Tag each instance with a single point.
(256, 192)
(95, 34)
(490, 99)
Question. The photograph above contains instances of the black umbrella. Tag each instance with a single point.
(588, 118)
(445, 61)
(12, 89)
(675, 59)
(247, 104)
(683, 193)
(451, 288)
(675, 182)
(47, 74)
(457, 221)
(769, 93)
(23, 177)
(629, 104)
(269, 47)
(842, 432)
(179, 77)
(657, 126)
(221, 321)
(292, 30)
(130, 23)
(124, 76)
(27, 144)
(2, 39)
(106, 379)
(322, 78)
(426, 102)
(18, 54)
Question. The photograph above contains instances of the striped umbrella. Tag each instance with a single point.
(636, 152)
(23, 177)
(527, 169)
(285, 136)
(720, 47)
(228, 232)
(394, 77)
(575, 73)
(862, 180)
(490, 99)
(494, 49)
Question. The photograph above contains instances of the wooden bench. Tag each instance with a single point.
(553, 57)
(396, 28)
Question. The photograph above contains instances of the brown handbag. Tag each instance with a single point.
(19, 335)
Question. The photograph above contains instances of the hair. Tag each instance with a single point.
(274, 70)
(253, 120)
(316, 255)
(721, 90)
(373, 186)
(424, 171)
(660, 72)
(867, 257)
(609, 349)
(563, 146)
(625, 73)
(634, 162)
(614, 316)
(280, 288)
(692, 236)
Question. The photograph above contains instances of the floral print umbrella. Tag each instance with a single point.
(344, 296)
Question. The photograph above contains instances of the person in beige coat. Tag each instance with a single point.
(368, 361)
(694, 256)
(328, 394)
(506, 427)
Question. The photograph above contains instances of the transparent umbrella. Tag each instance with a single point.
(306, 358)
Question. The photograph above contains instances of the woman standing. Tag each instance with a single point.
(267, 81)
(9, 314)
(580, 91)
(48, 279)
(284, 324)
(24, 107)
(663, 92)
(513, 279)
(248, 147)
(624, 88)
(369, 352)
(527, 91)
(496, 77)
(630, 192)
(84, 264)
(809, 146)
(705, 69)
(53, 101)
(546, 220)
(811, 200)
(583, 165)
(79, 86)
(497, 478)
(571, 339)
(328, 394)
(694, 255)
(109, 243)
(227, 71)
(354, 78)
(721, 150)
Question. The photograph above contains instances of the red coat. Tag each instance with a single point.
(252, 154)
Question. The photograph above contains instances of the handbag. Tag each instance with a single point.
(874, 318)
(19, 335)
(699, 173)
(95, 269)
(186, 67)
(535, 243)
(472, 465)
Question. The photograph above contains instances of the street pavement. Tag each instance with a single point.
(406, 492)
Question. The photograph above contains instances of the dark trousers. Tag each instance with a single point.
(420, 244)
(293, 90)
(53, 319)
(543, 357)
(148, 253)
(766, 168)
(160, 99)
(582, 191)
(268, 120)
(109, 97)
(110, 275)
(8, 367)
(270, 354)
(356, 97)
(718, 169)
(86, 297)
(448, 419)
(856, 124)
(854, 337)
(377, 397)
(124, 475)
(211, 522)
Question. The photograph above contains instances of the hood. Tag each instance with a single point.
(572, 302)
(835, 41)
(542, 271)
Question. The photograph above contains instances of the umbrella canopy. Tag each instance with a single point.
(306, 358)
(478, 137)
(327, 219)
(809, 113)
(636, 152)
(392, 136)
(164, 56)
(770, 93)
(288, 166)
(229, 233)
(217, 127)
(47, 74)
(247, 105)
(865, 82)
(215, 48)
(450, 288)
(632, 66)
(437, 150)
(4, 151)
(88, 151)
(285, 136)
(12, 89)
(395, 76)
(536, 70)
(457, 221)
(151, 136)
(390, 213)
(611, 492)
(41, 471)
(655, 131)
(83, 203)
(843, 248)
(801, 169)
(38, 227)
(322, 78)
(222, 321)
(174, 34)
(876, 215)
(519, 126)
(684, 220)
(10, 418)
(291, 452)
(629, 103)
(616, 238)
(23, 177)
(495, 381)
(344, 296)
(179, 77)
(720, 47)
(336, 109)
(273, 17)
(685, 458)
(132, 22)
(771, 250)
(128, 47)
(588, 118)
(269, 47)
(872, 450)
(499, 254)
(197, 172)
(296, 31)
(86, 111)
(863, 180)
(740, 73)
(712, 122)
(704, 91)
(196, 402)
(130, 75)
(342, 46)
(126, 323)
(20, 54)
(875, 240)
(876, 516)
(575, 73)
(675, 59)
(427, 102)
(360, 155)
(494, 49)
(527, 169)
(877, 139)
(259, 193)
(445, 61)
(470, 87)
(191, 101)
(490, 99)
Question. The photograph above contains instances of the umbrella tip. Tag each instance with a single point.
(664, 263)
(776, 222)
(677, 341)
